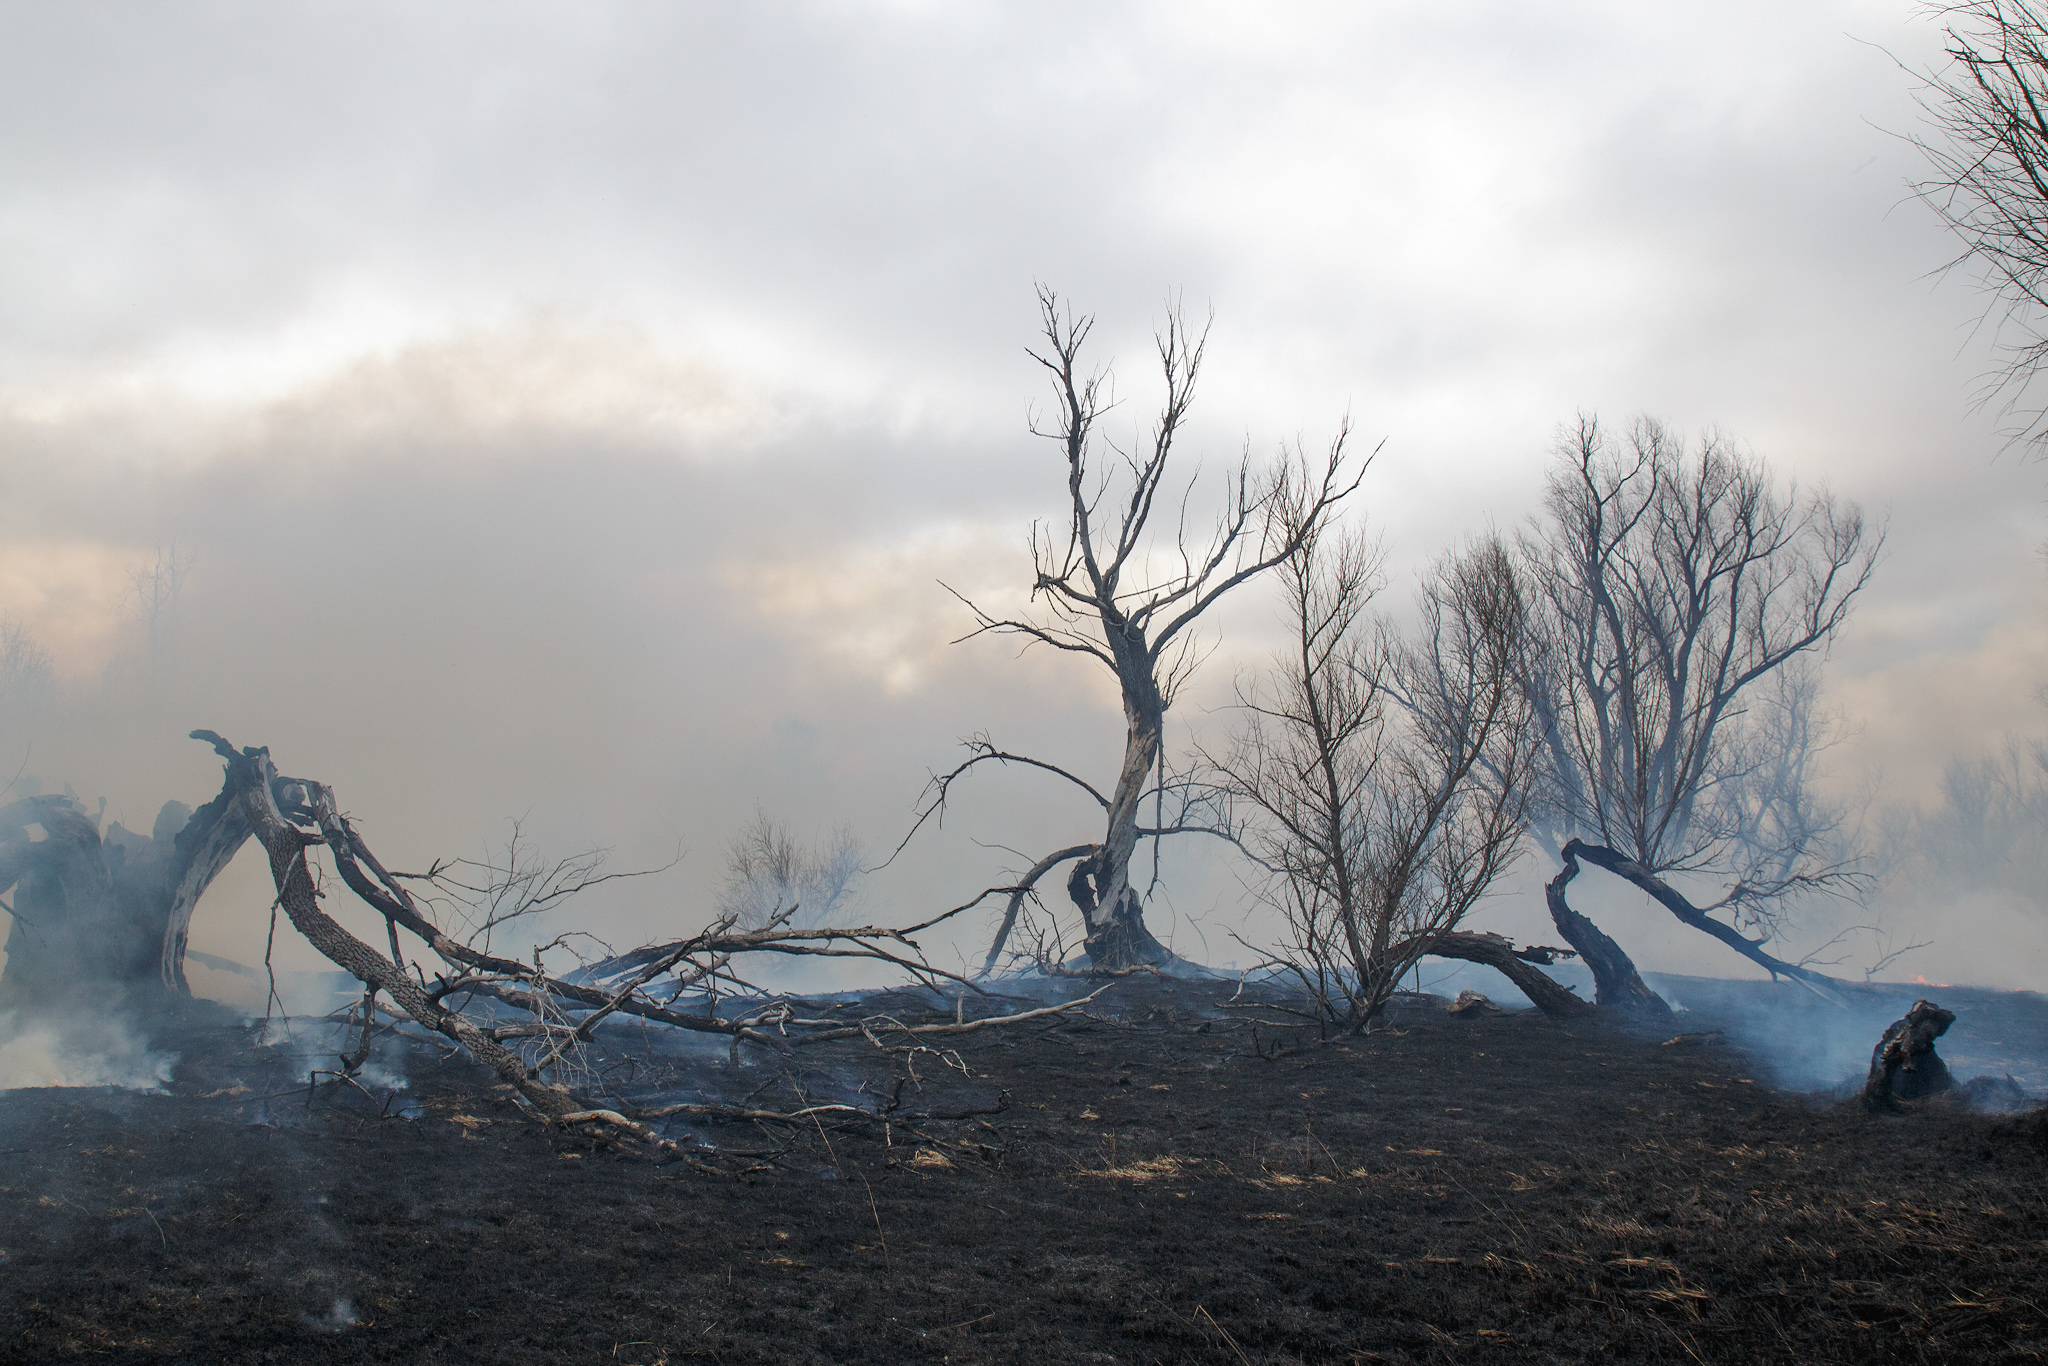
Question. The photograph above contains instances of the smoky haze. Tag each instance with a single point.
(568, 415)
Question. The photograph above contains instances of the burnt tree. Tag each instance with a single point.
(1110, 590)
(1678, 598)
(99, 914)
(94, 911)
(1386, 771)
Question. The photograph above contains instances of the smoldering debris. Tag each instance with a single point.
(79, 1050)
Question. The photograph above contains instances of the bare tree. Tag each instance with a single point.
(769, 872)
(1989, 157)
(1985, 829)
(154, 590)
(1389, 774)
(1673, 593)
(1111, 591)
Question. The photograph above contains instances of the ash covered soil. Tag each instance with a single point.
(1163, 1181)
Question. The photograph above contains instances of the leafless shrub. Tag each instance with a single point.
(768, 871)
(154, 591)
(28, 675)
(1389, 772)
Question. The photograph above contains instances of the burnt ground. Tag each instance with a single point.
(1167, 1182)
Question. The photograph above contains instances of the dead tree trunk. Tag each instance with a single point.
(1904, 1065)
(106, 913)
(1518, 966)
(1621, 865)
(1112, 910)
(1616, 982)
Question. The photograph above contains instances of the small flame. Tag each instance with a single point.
(1920, 979)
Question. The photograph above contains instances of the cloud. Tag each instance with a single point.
(571, 409)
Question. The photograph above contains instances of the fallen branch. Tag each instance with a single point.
(292, 817)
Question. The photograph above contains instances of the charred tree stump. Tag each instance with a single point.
(1904, 1065)
(1616, 983)
(1117, 937)
(105, 914)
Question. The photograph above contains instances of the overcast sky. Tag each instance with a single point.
(569, 408)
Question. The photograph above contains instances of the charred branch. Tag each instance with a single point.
(1675, 901)
(1517, 965)
(465, 1000)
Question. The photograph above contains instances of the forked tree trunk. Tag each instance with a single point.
(1616, 983)
(1100, 885)
(105, 915)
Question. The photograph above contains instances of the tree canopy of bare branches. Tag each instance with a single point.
(768, 870)
(1989, 158)
(1677, 598)
(1111, 589)
(1388, 774)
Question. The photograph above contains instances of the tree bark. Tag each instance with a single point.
(1616, 983)
(1100, 886)
(1518, 966)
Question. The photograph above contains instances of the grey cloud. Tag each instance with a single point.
(571, 405)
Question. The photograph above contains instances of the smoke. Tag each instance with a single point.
(80, 1050)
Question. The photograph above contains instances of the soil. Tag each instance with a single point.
(1165, 1180)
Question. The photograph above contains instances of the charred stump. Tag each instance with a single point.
(1117, 938)
(104, 914)
(1904, 1065)
(1616, 983)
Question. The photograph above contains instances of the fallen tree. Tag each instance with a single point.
(86, 906)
